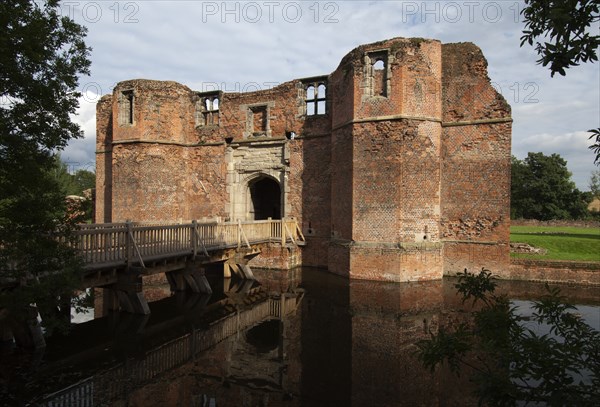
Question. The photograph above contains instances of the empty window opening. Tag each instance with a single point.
(320, 107)
(207, 110)
(259, 120)
(265, 195)
(126, 108)
(321, 91)
(316, 99)
(380, 78)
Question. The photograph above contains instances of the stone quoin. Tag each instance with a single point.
(396, 165)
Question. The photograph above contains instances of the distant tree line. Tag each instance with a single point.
(76, 183)
(542, 189)
(80, 184)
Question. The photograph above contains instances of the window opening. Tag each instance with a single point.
(126, 108)
(316, 99)
(379, 75)
(321, 91)
(259, 120)
(207, 111)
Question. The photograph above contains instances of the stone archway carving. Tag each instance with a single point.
(247, 165)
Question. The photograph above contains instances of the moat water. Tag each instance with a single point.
(337, 343)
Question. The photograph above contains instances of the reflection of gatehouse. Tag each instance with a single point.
(224, 320)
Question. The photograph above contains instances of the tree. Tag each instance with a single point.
(596, 146)
(595, 184)
(42, 55)
(73, 184)
(541, 188)
(567, 25)
(552, 358)
(79, 184)
(83, 180)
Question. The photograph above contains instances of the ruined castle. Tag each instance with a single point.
(396, 165)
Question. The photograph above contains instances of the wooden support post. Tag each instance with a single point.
(128, 243)
(282, 231)
(226, 284)
(130, 293)
(282, 306)
(110, 301)
(191, 278)
(248, 274)
(236, 270)
(226, 270)
(194, 237)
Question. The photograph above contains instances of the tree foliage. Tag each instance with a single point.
(541, 188)
(42, 55)
(563, 32)
(77, 188)
(551, 358)
(75, 183)
(595, 137)
(595, 184)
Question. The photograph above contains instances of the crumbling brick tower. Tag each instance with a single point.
(397, 165)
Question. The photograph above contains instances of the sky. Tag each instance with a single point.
(245, 46)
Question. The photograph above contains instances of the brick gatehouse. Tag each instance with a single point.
(397, 164)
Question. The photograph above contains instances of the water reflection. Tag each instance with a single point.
(300, 338)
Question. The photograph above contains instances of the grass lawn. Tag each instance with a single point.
(562, 243)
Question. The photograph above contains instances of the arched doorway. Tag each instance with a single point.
(265, 195)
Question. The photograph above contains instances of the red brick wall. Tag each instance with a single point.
(275, 256)
(104, 127)
(404, 161)
(475, 184)
(310, 186)
(552, 271)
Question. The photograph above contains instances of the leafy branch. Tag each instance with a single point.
(560, 30)
(553, 357)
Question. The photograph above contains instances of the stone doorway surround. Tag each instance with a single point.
(248, 162)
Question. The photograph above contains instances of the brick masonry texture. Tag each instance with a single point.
(396, 165)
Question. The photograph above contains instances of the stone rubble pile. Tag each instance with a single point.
(526, 248)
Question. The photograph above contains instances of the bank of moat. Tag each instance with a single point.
(396, 165)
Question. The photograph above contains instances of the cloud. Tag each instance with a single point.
(573, 147)
(236, 44)
(80, 153)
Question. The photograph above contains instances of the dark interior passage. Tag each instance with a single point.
(266, 199)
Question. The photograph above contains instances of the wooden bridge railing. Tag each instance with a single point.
(127, 243)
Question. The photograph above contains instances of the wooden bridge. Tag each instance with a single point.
(120, 245)
(117, 255)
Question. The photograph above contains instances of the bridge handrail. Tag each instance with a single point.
(131, 242)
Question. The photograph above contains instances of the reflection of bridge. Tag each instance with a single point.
(118, 255)
(119, 380)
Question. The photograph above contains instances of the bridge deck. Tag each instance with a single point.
(117, 245)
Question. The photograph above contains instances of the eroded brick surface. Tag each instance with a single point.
(396, 165)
